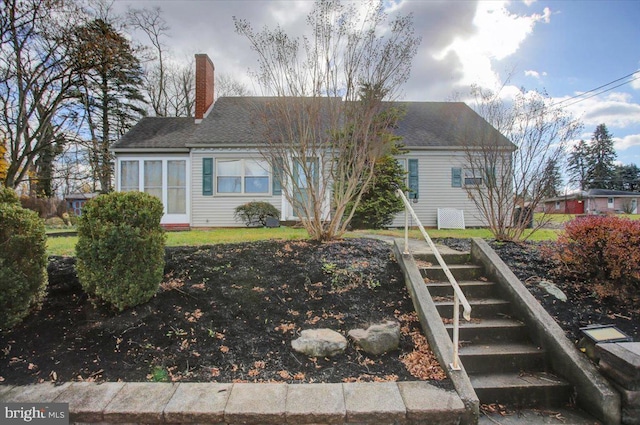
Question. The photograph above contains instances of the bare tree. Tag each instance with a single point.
(226, 85)
(35, 77)
(507, 185)
(157, 77)
(323, 125)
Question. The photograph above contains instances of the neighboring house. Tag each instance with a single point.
(75, 201)
(204, 167)
(594, 201)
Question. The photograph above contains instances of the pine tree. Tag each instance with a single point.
(627, 177)
(551, 180)
(601, 159)
(110, 92)
(578, 168)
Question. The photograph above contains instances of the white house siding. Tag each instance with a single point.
(435, 189)
(217, 210)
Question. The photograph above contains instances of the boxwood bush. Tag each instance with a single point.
(120, 249)
(23, 260)
(255, 213)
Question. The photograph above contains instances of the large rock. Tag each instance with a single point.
(319, 343)
(377, 339)
(553, 290)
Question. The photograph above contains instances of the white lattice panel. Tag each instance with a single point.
(450, 218)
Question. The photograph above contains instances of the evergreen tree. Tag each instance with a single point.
(627, 177)
(110, 93)
(379, 202)
(578, 168)
(601, 159)
(551, 180)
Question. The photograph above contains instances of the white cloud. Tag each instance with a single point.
(636, 83)
(499, 34)
(529, 2)
(614, 109)
(626, 142)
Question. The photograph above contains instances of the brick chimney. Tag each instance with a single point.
(204, 85)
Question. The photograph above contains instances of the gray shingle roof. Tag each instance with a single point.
(445, 125)
(232, 122)
(157, 133)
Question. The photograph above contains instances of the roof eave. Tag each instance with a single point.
(150, 150)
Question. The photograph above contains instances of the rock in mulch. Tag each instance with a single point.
(319, 343)
(377, 339)
(553, 290)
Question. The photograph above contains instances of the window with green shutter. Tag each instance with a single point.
(207, 176)
(456, 177)
(413, 178)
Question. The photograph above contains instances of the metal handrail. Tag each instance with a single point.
(458, 295)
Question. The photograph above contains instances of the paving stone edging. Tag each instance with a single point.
(213, 403)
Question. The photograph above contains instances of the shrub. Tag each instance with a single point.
(120, 250)
(379, 203)
(600, 247)
(9, 196)
(23, 261)
(256, 213)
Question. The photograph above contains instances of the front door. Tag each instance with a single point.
(305, 176)
(634, 206)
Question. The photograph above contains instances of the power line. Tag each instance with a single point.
(598, 88)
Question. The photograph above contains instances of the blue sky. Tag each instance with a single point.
(563, 47)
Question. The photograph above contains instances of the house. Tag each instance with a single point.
(204, 167)
(594, 201)
(75, 201)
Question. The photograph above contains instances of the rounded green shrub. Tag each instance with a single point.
(8, 196)
(120, 249)
(255, 213)
(23, 262)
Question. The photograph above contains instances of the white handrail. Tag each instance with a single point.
(458, 295)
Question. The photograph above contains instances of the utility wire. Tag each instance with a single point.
(598, 88)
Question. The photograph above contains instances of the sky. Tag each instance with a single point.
(566, 48)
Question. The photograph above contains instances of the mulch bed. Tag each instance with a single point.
(226, 313)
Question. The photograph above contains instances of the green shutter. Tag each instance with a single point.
(277, 176)
(490, 176)
(207, 176)
(456, 177)
(413, 178)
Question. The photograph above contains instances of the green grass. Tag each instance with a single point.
(562, 218)
(540, 235)
(66, 245)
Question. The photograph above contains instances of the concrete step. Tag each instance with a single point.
(460, 271)
(501, 357)
(450, 258)
(522, 389)
(556, 416)
(470, 288)
(480, 308)
(489, 330)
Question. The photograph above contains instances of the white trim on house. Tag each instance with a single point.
(173, 218)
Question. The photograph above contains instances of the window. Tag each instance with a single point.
(557, 205)
(129, 176)
(176, 187)
(610, 203)
(166, 178)
(242, 176)
(153, 178)
(472, 178)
